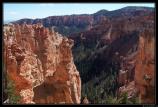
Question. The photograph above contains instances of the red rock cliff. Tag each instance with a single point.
(143, 84)
(40, 63)
(145, 67)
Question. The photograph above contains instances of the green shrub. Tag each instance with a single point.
(13, 98)
(123, 99)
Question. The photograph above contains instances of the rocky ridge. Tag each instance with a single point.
(40, 63)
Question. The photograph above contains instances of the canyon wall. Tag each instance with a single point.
(143, 83)
(40, 63)
(70, 24)
(145, 67)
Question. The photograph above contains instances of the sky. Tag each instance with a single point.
(16, 11)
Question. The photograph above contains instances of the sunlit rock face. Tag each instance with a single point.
(145, 67)
(40, 63)
(143, 84)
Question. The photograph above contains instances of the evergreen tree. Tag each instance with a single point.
(13, 98)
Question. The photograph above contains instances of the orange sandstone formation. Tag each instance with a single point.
(40, 63)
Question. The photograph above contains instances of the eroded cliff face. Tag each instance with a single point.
(40, 63)
(143, 83)
(145, 67)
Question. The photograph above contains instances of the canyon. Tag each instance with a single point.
(111, 52)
